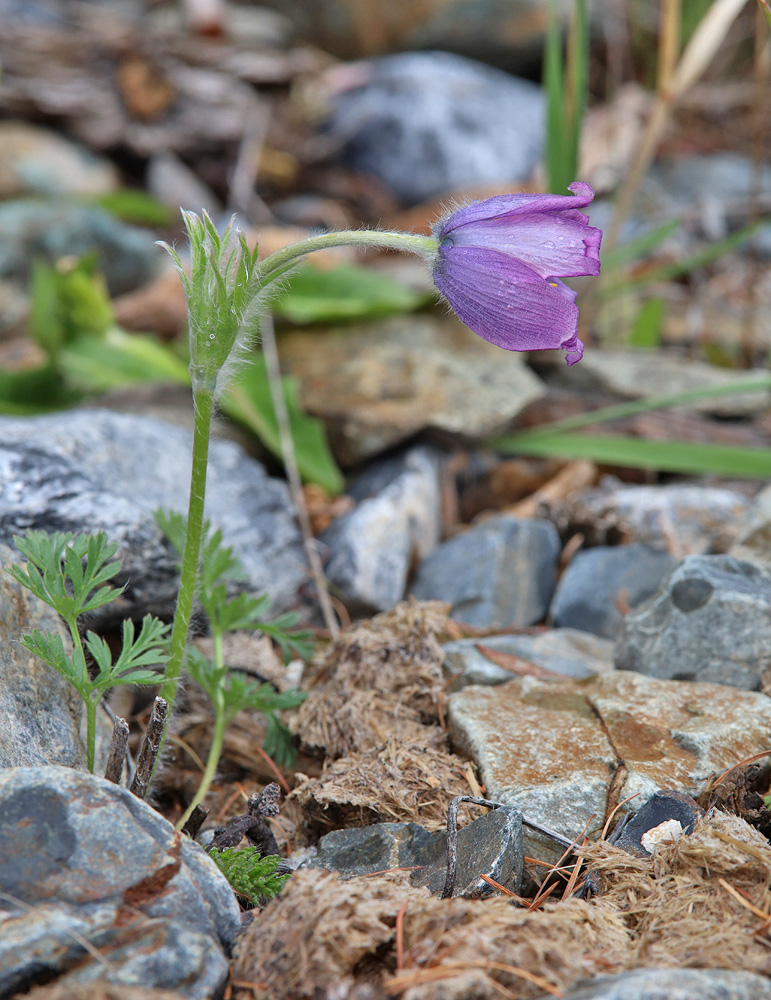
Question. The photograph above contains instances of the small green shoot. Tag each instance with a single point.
(230, 690)
(566, 90)
(250, 875)
(70, 573)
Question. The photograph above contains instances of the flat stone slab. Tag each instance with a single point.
(566, 751)
(676, 984)
(85, 857)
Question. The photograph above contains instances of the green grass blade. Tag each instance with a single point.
(576, 85)
(555, 104)
(639, 247)
(664, 456)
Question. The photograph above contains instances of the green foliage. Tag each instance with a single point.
(133, 205)
(66, 302)
(247, 400)
(71, 574)
(566, 88)
(250, 875)
(344, 293)
(646, 331)
(557, 439)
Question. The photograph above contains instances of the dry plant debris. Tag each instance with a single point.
(380, 680)
(395, 783)
(701, 902)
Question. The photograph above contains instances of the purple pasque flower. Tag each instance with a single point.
(500, 262)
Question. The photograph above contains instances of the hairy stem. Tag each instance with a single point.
(218, 736)
(203, 399)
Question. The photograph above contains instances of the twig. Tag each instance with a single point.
(400, 936)
(117, 755)
(242, 196)
(445, 970)
(151, 744)
(270, 352)
(195, 821)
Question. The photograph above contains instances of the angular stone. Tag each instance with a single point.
(660, 808)
(500, 572)
(395, 524)
(599, 582)
(86, 470)
(42, 713)
(378, 384)
(86, 856)
(561, 650)
(363, 850)
(31, 229)
(565, 751)
(710, 621)
(676, 984)
(640, 374)
(686, 518)
(427, 123)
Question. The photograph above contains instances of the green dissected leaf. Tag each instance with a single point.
(49, 646)
(204, 672)
(98, 364)
(344, 293)
(250, 875)
(667, 456)
(278, 742)
(248, 401)
(133, 205)
(646, 331)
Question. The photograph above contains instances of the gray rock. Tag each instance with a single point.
(396, 523)
(427, 123)
(568, 752)
(491, 845)
(636, 374)
(36, 160)
(598, 582)
(680, 516)
(562, 651)
(501, 572)
(41, 711)
(86, 470)
(90, 859)
(709, 621)
(126, 255)
(675, 984)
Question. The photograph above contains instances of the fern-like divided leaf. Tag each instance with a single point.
(250, 875)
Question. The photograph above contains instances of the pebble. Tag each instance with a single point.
(36, 160)
(86, 470)
(600, 583)
(675, 984)
(31, 229)
(709, 621)
(88, 858)
(396, 523)
(561, 650)
(567, 752)
(378, 384)
(492, 845)
(426, 123)
(501, 572)
(41, 711)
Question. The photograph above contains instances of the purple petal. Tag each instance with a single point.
(507, 302)
(513, 204)
(558, 244)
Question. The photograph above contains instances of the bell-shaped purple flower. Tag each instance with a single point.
(500, 262)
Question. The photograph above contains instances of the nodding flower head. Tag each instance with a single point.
(500, 261)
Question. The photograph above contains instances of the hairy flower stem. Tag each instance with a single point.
(217, 739)
(275, 265)
(203, 400)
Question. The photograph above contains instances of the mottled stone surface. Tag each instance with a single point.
(676, 984)
(91, 858)
(565, 651)
(86, 470)
(640, 374)
(500, 572)
(492, 844)
(600, 583)
(562, 751)
(710, 620)
(682, 518)
(395, 524)
(41, 712)
(427, 123)
(377, 384)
